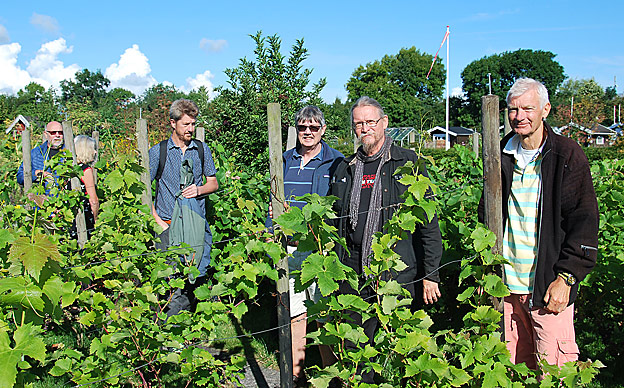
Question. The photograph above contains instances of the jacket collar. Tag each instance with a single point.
(395, 154)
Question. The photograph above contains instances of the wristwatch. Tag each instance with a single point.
(569, 279)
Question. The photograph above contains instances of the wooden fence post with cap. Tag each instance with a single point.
(143, 146)
(81, 225)
(492, 192)
(276, 167)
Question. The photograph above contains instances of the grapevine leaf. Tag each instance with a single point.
(26, 344)
(34, 256)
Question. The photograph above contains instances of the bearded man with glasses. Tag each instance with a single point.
(368, 193)
(53, 143)
(307, 169)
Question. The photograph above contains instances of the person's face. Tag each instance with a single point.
(54, 136)
(525, 114)
(370, 127)
(183, 129)
(310, 133)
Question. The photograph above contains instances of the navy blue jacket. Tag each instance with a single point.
(330, 159)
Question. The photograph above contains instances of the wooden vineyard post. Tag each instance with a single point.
(277, 201)
(507, 124)
(200, 134)
(27, 162)
(475, 143)
(96, 136)
(291, 141)
(81, 225)
(492, 192)
(143, 146)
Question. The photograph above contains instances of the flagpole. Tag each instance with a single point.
(448, 38)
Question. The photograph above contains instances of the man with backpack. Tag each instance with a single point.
(179, 166)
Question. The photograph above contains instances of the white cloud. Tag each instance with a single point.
(13, 77)
(46, 69)
(457, 92)
(45, 23)
(214, 46)
(203, 79)
(4, 35)
(132, 72)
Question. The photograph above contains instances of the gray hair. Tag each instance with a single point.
(183, 107)
(367, 101)
(310, 113)
(85, 149)
(523, 85)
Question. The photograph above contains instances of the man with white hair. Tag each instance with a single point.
(550, 238)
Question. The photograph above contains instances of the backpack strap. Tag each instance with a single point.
(161, 165)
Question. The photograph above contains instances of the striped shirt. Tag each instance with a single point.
(521, 230)
(298, 178)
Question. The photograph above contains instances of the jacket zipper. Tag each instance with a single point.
(539, 230)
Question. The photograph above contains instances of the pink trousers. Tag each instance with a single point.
(535, 334)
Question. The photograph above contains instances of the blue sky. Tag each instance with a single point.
(191, 43)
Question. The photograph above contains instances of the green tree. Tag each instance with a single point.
(505, 68)
(238, 118)
(399, 82)
(589, 103)
(119, 112)
(155, 103)
(337, 118)
(88, 86)
(35, 101)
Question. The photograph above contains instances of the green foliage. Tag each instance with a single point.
(399, 83)
(238, 114)
(88, 88)
(505, 68)
(600, 305)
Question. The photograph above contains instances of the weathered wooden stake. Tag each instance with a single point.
(96, 136)
(490, 119)
(507, 125)
(475, 143)
(356, 142)
(81, 225)
(277, 200)
(291, 141)
(200, 134)
(143, 146)
(27, 162)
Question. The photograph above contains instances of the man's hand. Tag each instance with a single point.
(191, 191)
(557, 296)
(431, 292)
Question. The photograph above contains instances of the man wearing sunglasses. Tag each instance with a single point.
(369, 192)
(307, 169)
(53, 143)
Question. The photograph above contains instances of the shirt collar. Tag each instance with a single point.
(297, 155)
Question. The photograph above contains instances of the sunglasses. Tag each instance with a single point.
(313, 128)
(55, 132)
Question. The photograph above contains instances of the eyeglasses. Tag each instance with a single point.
(55, 132)
(367, 123)
(313, 128)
